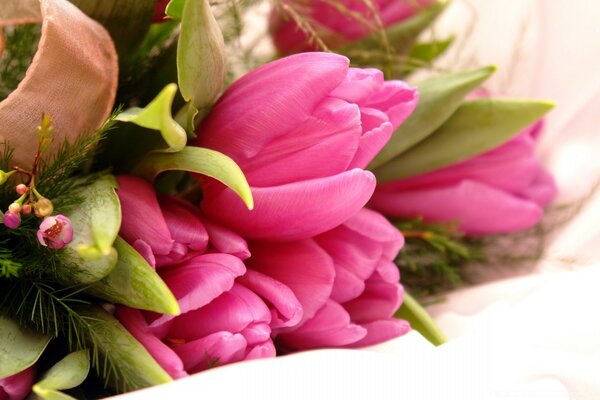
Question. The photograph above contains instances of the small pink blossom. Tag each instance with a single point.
(55, 232)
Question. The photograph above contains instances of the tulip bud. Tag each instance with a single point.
(11, 220)
(43, 207)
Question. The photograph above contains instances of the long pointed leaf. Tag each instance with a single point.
(134, 283)
(439, 98)
(420, 320)
(202, 161)
(476, 127)
(19, 348)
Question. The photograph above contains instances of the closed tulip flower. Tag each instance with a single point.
(302, 129)
(18, 386)
(354, 21)
(503, 190)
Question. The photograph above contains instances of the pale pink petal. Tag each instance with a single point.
(397, 99)
(542, 190)
(359, 85)
(256, 333)
(262, 350)
(286, 310)
(478, 208)
(302, 266)
(294, 211)
(142, 217)
(331, 326)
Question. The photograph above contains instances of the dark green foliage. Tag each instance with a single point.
(21, 45)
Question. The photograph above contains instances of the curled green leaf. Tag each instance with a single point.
(134, 283)
(68, 373)
(19, 347)
(157, 116)
(476, 127)
(420, 320)
(439, 98)
(202, 161)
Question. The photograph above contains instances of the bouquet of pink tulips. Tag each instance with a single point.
(169, 206)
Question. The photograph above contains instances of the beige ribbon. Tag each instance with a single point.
(73, 76)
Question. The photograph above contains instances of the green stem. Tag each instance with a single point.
(420, 320)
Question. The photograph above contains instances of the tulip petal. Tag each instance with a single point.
(302, 266)
(359, 85)
(219, 348)
(397, 99)
(184, 226)
(226, 241)
(200, 280)
(380, 300)
(269, 102)
(134, 322)
(382, 331)
(330, 326)
(294, 211)
(263, 350)
(374, 226)
(233, 311)
(17, 386)
(142, 217)
(145, 251)
(480, 209)
(542, 190)
(377, 132)
(286, 309)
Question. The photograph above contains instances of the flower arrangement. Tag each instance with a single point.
(165, 214)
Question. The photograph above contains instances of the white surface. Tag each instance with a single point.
(529, 338)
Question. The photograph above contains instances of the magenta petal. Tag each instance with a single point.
(294, 211)
(233, 311)
(330, 326)
(184, 226)
(262, 350)
(397, 99)
(382, 331)
(302, 266)
(18, 386)
(225, 240)
(145, 251)
(480, 209)
(359, 85)
(257, 333)
(286, 310)
(200, 280)
(380, 300)
(378, 132)
(134, 322)
(269, 102)
(542, 190)
(142, 217)
(219, 348)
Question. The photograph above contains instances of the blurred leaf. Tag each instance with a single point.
(19, 348)
(134, 283)
(476, 127)
(175, 9)
(127, 21)
(120, 352)
(420, 320)
(96, 223)
(200, 54)
(68, 373)
(157, 116)
(202, 161)
(424, 53)
(439, 97)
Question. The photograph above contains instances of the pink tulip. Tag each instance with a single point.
(345, 279)
(17, 387)
(302, 129)
(503, 190)
(337, 27)
(222, 320)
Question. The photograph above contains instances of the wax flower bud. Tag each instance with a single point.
(4, 176)
(21, 189)
(11, 220)
(26, 209)
(14, 208)
(43, 207)
(55, 232)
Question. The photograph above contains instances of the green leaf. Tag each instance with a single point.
(157, 115)
(439, 97)
(19, 348)
(425, 53)
(476, 127)
(127, 21)
(175, 9)
(120, 352)
(68, 373)
(201, 60)
(402, 36)
(420, 320)
(202, 161)
(134, 283)
(96, 223)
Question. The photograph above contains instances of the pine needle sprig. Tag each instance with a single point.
(21, 44)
